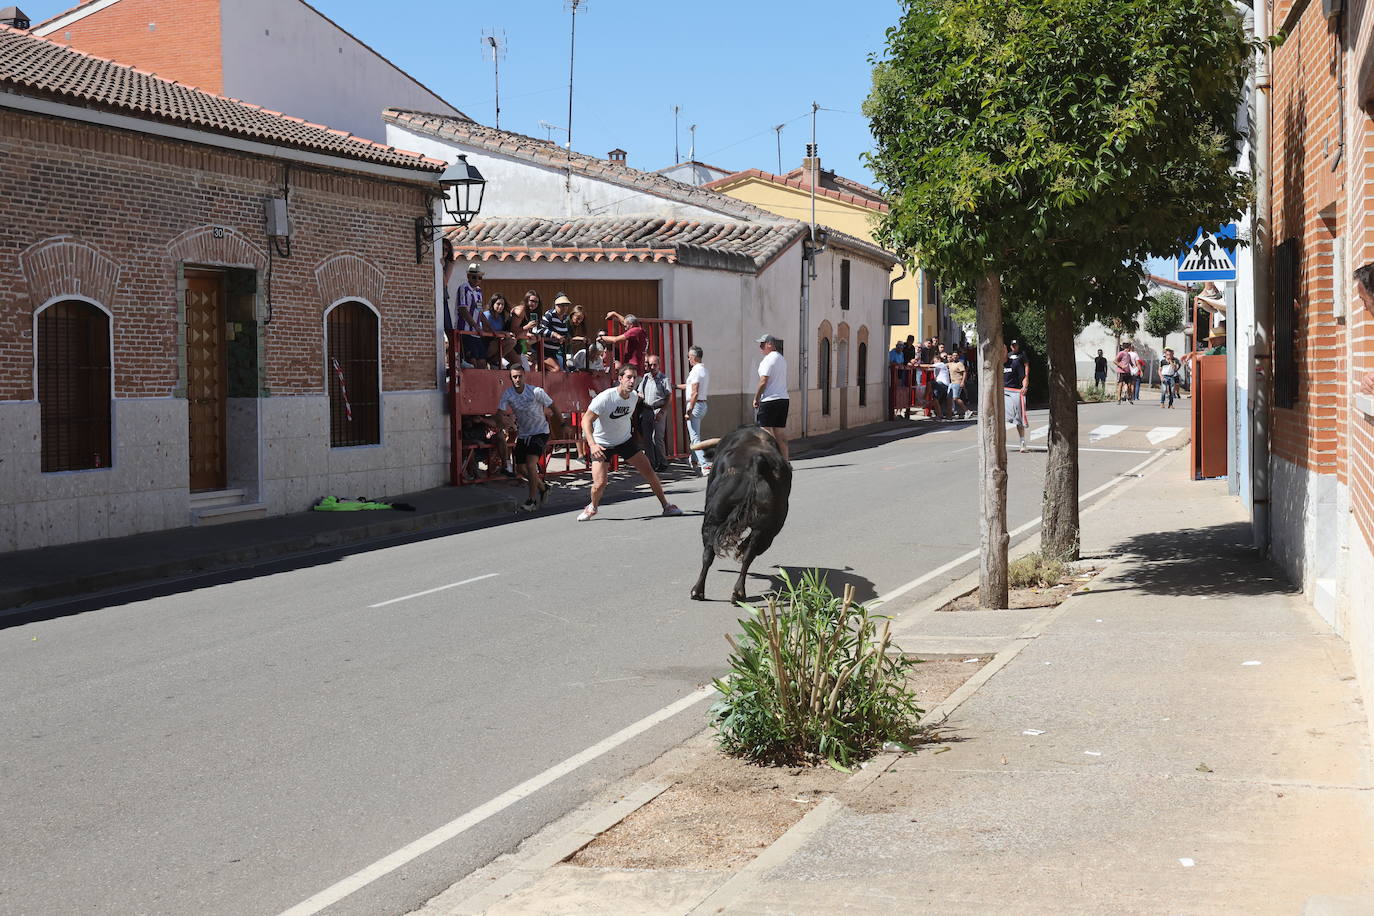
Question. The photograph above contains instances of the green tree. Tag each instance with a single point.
(1164, 315)
(1052, 145)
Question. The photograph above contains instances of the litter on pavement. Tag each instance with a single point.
(1093, 753)
(1033, 731)
(1248, 664)
(1186, 863)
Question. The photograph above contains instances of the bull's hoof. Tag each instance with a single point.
(698, 594)
(737, 597)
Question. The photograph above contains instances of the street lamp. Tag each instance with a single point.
(463, 188)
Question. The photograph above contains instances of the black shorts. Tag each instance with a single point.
(772, 414)
(1125, 377)
(624, 451)
(528, 447)
(941, 391)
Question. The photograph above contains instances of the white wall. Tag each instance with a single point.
(517, 187)
(693, 173)
(283, 55)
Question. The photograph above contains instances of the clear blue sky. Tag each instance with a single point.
(736, 67)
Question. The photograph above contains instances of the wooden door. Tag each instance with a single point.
(206, 379)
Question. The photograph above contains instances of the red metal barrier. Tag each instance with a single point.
(911, 389)
(668, 340)
(477, 392)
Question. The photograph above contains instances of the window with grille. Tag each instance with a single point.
(74, 386)
(354, 389)
(823, 370)
(1285, 324)
(861, 374)
(844, 283)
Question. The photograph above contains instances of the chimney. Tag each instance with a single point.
(617, 156)
(811, 166)
(14, 17)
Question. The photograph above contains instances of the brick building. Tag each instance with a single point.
(1321, 467)
(162, 357)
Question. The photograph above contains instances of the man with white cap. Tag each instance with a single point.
(556, 331)
(771, 400)
(465, 314)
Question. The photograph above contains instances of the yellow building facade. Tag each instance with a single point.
(842, 204)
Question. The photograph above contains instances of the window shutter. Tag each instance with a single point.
(74, 386)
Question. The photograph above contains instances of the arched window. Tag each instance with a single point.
(74, 386)
(354, 377)
(861, 373)
(823, 373)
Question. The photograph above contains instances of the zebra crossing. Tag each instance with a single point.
(1156, 435)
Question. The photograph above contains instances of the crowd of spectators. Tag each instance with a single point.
(949, 374)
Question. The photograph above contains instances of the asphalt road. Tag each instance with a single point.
(237, 747)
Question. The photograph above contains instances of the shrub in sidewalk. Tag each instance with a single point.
(1092, 394)
(1036, 571)
(811, 681)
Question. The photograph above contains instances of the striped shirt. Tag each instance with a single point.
(553, 323)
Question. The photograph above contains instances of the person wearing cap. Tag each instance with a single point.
(635, 338)
(465, 314)
(770, 399)
(556, 331)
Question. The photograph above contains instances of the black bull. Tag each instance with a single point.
(746, 502)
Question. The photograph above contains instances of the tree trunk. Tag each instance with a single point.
(992, 445)
(1060, 535)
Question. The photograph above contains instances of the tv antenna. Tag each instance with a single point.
(550, 128)
(777, 128)
(692, 150)
(494, 41)
(677, 155)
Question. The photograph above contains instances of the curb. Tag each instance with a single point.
(218, 560)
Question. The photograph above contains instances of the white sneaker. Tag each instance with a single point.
(705, 470)
(587, 514)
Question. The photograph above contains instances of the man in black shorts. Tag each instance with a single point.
(530, 406)
(608, 428)
(771, 398)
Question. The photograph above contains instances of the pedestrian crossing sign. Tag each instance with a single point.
(1211, 256)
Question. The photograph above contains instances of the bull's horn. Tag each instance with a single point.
(709, 443)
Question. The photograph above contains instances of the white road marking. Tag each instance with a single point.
(430, 591)
(1015, 532)
(1160, 433)
(1040, 433)
(1119, 451)
(1104, 432)
(382, 867)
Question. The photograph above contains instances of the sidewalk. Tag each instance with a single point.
(1182, 738)
(69, 570)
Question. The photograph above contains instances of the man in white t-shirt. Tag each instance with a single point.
(608, 428)
(770, 400)
(530, 405)
(695, 390)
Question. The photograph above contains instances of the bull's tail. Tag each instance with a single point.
(744, 514)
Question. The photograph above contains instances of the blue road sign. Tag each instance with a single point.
(1212, 256)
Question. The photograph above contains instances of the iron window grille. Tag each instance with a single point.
(844, 284)
(354, 389)
(861, 374)
(74, 386)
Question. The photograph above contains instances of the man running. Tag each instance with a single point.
(607, 428)
(530, 405)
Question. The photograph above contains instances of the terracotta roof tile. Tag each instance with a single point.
(727, 245)
(542, 152)
(35, 66)
(872, 203)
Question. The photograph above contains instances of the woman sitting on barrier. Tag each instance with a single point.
(501, 348)
(577, 325)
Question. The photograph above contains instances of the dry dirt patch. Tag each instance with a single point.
(722, 812)
(1028, 597)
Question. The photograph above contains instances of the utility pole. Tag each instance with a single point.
(778, 130)
(677, 155)
(497, 43)
(808, 274)
(573, 6)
